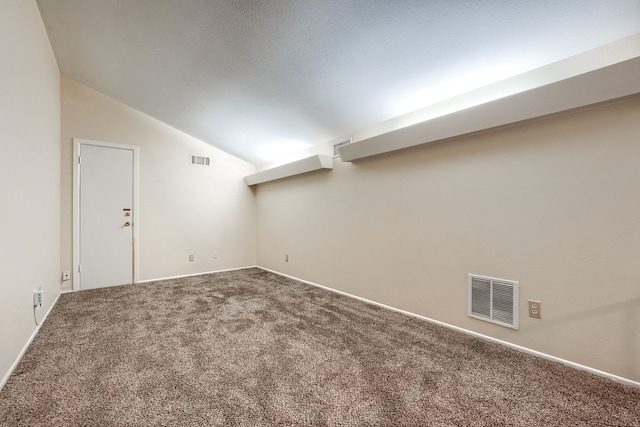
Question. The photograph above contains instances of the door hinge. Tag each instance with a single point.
(79, 160)
(79, 268)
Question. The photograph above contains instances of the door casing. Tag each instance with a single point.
(77, 142)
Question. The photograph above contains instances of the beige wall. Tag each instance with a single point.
(553, 204)
(183, 209)
(29, 175)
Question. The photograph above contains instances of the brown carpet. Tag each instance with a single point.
(250, 348)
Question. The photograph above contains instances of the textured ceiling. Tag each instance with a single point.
(261, 79)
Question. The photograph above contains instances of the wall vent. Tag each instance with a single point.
(200, 160)
(340, 144)
(493, 300)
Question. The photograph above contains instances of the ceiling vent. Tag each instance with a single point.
(200, 160)
(493, 300)
(336, 153)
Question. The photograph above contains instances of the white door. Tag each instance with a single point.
(105, 215)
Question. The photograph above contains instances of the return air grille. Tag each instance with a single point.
(200, 160)
(336, 153)
(493, 300)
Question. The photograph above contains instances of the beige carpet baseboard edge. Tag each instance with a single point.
(13, 367)
(589, 369)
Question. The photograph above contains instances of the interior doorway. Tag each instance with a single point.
(105, 214)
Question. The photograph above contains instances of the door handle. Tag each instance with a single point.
(127, 224)
(127, 214)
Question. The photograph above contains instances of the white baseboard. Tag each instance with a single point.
(13, 367)
(196, 274)
(598, 372)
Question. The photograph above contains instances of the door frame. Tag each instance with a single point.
(77, 142)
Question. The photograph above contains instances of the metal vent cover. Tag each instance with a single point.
(340, 144)
(493, 300)
(200, 160)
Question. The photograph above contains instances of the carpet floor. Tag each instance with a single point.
(251, 348)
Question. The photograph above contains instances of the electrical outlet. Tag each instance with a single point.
(191, 258)
(66, 275)
(38, 297)
(286, 258)
(215, 254)
(535, 309)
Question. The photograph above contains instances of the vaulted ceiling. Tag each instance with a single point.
(261, 79)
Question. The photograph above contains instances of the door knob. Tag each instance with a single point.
(127, 214)
(126, 224)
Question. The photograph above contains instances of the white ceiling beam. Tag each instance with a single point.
(550, 90)
(298, 167)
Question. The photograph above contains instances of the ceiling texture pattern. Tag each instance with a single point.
(264, 78)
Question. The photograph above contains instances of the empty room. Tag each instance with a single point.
(340, 213)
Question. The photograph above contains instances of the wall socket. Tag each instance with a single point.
(215, 254)
(191, 258)
(38, 297)
(535, 309)
(66, 275)
(286, 258)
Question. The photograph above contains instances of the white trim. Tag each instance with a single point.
(13, 367)
(76, 205)
(532, 352)
(197, 274)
